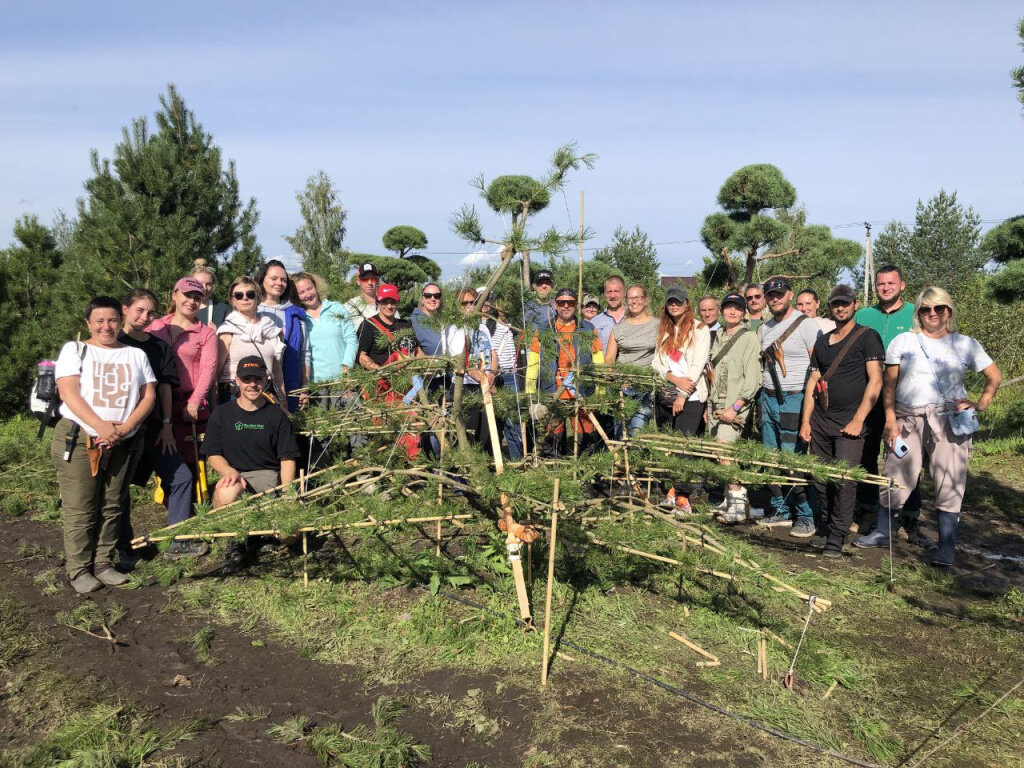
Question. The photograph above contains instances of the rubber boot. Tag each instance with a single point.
(946, 553)
(880, 536)
(909, 523)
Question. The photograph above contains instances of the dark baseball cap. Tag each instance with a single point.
(842, 293)
(677, 293)
(736, 300)
(543, 276)
(777, 285)
(589, 299)
(368, 268)
(252, 365)
(565, 293)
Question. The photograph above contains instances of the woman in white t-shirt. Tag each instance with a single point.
(107, 390)
(922, 387)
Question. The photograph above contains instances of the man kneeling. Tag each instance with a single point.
(250, 444)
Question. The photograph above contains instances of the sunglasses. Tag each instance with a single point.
(239, 295)
(750, 296)
(565, 303)
(431, 295)
(941, 309)
(840, 303)
(251, 379)
(388, 302)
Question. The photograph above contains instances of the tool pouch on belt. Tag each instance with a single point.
(821, 394)
(95, 454)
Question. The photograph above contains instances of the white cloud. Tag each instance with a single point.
(480, 258)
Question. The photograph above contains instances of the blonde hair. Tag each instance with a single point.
(419, 302)
(245, 280)
(933, 296)
(200, 266)
(315, 279)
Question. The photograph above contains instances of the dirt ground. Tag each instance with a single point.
(153, 649)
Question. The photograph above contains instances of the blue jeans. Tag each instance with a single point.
(780, 425)
(640, 417)
(513, 431)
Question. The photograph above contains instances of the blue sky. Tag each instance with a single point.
(866, 107)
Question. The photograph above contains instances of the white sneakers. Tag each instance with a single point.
(736, 507)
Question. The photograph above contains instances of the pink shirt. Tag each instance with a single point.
(195, 354)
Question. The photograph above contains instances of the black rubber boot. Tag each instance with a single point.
(946, 552)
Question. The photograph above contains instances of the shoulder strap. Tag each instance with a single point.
(800, 317)
(932, 367)
(842, 352)
(727, 346)
(381, 327)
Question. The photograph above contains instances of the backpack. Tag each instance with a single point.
(44, 398)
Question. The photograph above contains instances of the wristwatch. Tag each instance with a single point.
(737, 407)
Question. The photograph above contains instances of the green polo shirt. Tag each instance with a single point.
(888, 324)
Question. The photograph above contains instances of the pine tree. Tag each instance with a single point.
(32, 323)
(164, 201)
(633, 255)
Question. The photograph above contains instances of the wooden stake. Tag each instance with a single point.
(694, 647)
(831, 688)
(305, 560)
(547, 597)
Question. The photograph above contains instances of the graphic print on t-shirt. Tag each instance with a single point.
(111, 384)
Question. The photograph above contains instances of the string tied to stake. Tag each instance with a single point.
(789, 679)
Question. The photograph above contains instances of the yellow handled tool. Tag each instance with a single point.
(202, 491)
(158, 492)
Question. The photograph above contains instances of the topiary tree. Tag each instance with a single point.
(404, 239)
(796, 249)
(1005, 244)
(521, 197)
(744, 228)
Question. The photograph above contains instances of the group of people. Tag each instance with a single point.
(140, 393)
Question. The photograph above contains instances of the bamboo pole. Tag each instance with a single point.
(694, 647)
(305, 560)
(547, 596)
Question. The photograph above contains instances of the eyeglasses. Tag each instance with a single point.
(635, 298)
(565, 303)
(434, 296)
(941, 309)
(840, 303)
(469, 303)
(239, 295)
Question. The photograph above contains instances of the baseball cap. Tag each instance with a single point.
(777, 285)
(252, 365)
(842, 293)
(590, 299)
(367, 268)
(189, 285)
(564, 293)
(677, 293)
(387, 291)
(736, 300)
(543, 276)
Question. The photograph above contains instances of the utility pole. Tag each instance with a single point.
(869, 264)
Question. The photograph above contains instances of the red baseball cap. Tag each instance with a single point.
(387, 291)
(189, 285)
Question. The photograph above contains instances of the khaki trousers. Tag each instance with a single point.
(926, 432)
(91, 506)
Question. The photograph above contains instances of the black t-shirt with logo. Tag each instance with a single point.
(250, 440)
(376, 344)
(846, 386)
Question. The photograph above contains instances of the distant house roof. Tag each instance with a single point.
(690, 281)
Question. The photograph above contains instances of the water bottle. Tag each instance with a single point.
(46, 384)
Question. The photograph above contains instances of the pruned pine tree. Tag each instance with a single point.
(403, 240)
(520, 197)
(165, 200)
(319, 239)
(758, 234)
